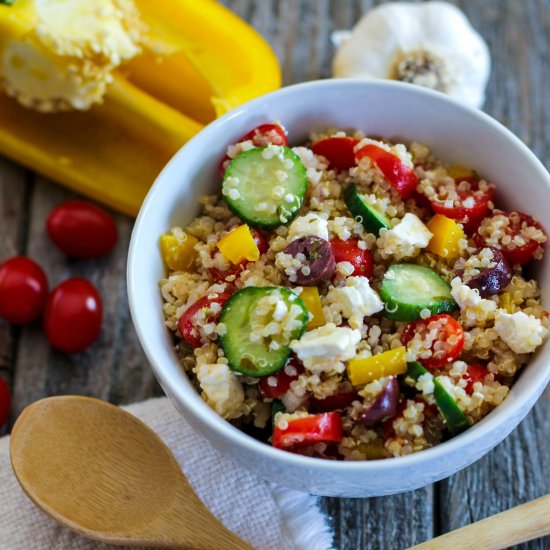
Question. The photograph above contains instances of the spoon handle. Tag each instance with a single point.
(520, 524)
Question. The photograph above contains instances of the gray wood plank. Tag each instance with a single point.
(114, 367)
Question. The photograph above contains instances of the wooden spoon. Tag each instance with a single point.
(101, 472)
(520, 524)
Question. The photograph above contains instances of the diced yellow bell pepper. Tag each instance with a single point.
(310, 296)
(446, 237)
(191, 68)
(389, 363)
(178, 254)
(239, 245)
(507, 302)
(458, 171)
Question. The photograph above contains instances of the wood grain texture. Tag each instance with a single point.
(115, 369)
(522, 523)
(103, 473)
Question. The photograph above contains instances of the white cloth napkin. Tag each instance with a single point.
(267, 516)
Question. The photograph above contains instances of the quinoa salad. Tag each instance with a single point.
(352, 298)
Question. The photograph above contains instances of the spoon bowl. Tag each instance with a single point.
(103, 473)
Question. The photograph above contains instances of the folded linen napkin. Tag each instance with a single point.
(267, 516)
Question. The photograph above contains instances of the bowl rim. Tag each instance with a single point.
(188, 398)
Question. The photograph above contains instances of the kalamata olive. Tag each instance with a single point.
(317, 264)
(384, 406)
(493, 280)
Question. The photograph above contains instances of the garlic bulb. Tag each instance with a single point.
(431, 44)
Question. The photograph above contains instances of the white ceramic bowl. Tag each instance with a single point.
(457, 134)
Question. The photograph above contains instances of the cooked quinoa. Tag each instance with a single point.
(339, 345)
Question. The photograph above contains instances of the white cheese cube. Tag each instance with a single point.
(411, 231)
(405, 239)
(221, 387)
(356, 298)
(310, 224)
(522, 333)
(327, 342)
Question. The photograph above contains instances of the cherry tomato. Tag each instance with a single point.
(315, 428)
(263, 246)
(474, 373)
(517, 221)
(334, 402)
(280, 381)
(266, 134)
(5, 402)
(219, 276)
(73, 316)
(23, 290)
(469, 216)
(402, 177)
(349, 251)
(449, 339)
(187, 321)
(422, 201)
(261, 136)
(337, 150)
(82, 229)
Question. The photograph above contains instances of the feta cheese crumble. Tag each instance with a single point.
(357, 298)
(522, 333)
(310, 224)
(328, 342)
(405, 239)
(221, 388)
(474, 308)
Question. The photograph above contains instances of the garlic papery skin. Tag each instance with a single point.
(431, 44)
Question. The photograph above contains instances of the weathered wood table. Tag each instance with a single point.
(115, 369)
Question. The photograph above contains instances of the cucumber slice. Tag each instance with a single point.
(265, 186)
(372, 219)
(456, 420)
(256, 358)
(407, 289)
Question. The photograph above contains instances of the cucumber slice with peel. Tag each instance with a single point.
(245, 351)
(265, 186)
(456, 420)
(372, 219)
(407, 289)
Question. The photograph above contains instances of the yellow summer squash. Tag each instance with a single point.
(100, 95)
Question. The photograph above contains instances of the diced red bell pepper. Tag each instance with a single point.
(337, 150)
(316, 428)
(187, 324)
(348, 251)
(469, 216)
(402, 177)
